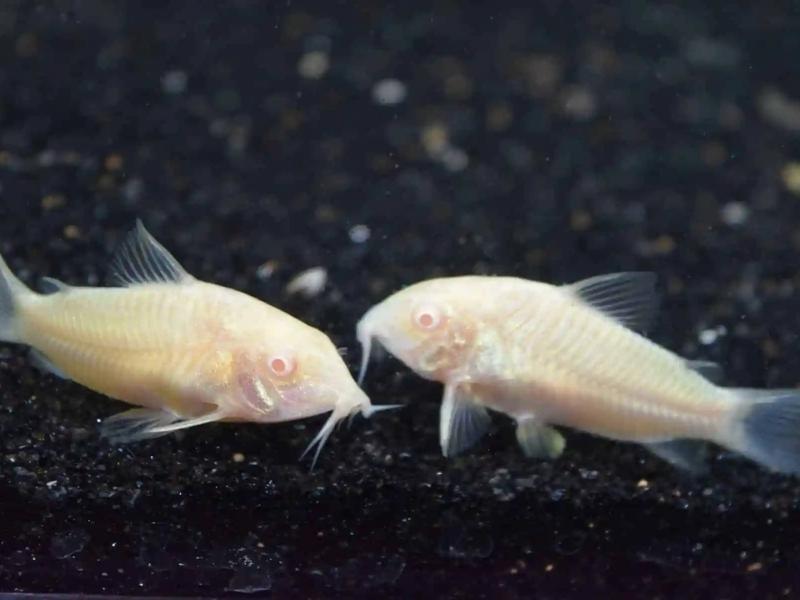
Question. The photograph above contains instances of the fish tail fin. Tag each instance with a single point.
(768, 430)
(11, 292)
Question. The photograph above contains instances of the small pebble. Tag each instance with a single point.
(779, 110)
(174, 82)
(499, 117)
(735, 213)
(434, 138)
(578, 103)
(359, 234)
(313, 65)
(113, 162)
(708, 336)
(267, 269)
(454, 159)
(389, 92)
(309, 283)
(52, 201)
(791, 177)
(72, 232)
(580, 220)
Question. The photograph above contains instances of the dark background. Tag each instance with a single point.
(554, 142)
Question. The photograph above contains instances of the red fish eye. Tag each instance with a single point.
(281, 366)
(428, 318)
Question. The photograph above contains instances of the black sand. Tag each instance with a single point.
(553, 143)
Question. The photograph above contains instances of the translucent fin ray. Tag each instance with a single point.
(629, 298)
(710, 370)
(769, 432)
(135, 424)
(538, 440)
(462, 421)
(51, 285)
(689, 455)
(145, 423)
(141, 259)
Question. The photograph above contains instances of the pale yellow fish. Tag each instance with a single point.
(186, 351)
(570, 356)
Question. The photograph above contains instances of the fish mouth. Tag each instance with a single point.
(348, 405)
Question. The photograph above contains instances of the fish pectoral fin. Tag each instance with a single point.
(628, 298)
(145, 423)
(538, 440)
(710, 370)
(689, 455)
(141, 259)
(462, 421)
(41, 362)
(51, 285)
(135, 424)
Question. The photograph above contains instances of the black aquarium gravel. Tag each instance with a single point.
(388, 145)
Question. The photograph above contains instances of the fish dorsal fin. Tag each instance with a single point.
(689, 455)
(710, 370)
(141, 259)
(51, 285)
(462, 422)
(538, 440)
(629, 298)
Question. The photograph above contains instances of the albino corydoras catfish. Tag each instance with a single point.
(569, 356)
(187, 352)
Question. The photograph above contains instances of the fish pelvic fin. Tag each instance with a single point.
(139, 424)
(538, 440)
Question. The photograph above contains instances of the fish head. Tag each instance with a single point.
(298, 374)
(429, 326)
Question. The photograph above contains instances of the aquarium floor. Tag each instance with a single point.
(261, 139)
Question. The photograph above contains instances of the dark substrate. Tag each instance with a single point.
(553, 143)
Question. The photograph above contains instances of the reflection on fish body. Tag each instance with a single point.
(571, 356)
(185, 351)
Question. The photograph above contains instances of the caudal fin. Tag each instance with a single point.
(769, 431)
(11, 289)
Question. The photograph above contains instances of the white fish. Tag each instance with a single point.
(569, 356)
(186, 351)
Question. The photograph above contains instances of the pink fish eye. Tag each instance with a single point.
(428, 317)
(281, 366)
